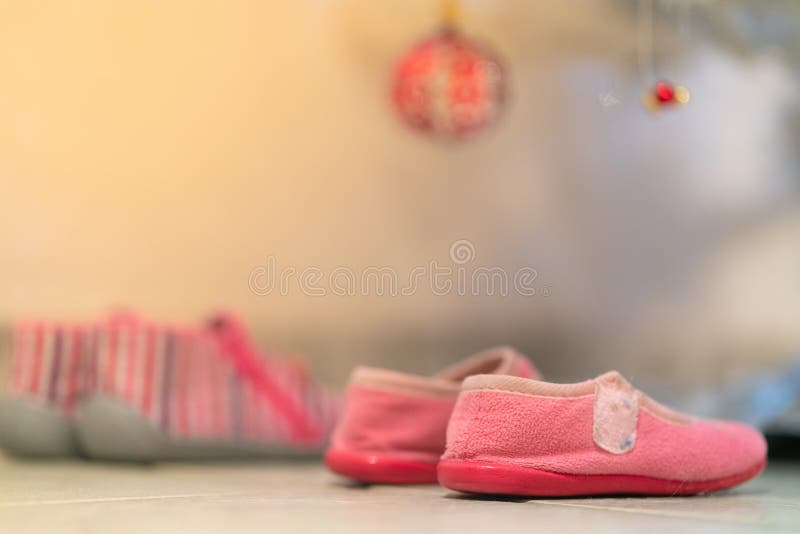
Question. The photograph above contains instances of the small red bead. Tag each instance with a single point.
(665, 92)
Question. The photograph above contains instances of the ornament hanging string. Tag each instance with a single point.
(450, 13)
(663, 93)
(645, 38)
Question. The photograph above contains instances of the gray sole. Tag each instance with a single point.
(31, 428)
(110, 430)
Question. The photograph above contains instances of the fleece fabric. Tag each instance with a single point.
(407, 415)
(599, 427)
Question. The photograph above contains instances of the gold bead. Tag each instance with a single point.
(682, 95)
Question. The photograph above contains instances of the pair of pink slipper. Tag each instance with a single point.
(491, 425)
(129, 388)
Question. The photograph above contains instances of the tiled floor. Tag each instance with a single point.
(77, 496)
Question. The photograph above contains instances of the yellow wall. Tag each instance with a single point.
(153, 153)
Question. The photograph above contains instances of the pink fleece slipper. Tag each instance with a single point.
(393, 427)
(515, 436)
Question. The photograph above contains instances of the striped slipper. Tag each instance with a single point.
(172, 392)
(45, 381)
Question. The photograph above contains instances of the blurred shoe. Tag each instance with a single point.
(393, 427)
(515, 436)
(167, 392)
(45, 382)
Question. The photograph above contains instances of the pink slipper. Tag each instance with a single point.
(162, 391)
(393, 427)
(515, 436)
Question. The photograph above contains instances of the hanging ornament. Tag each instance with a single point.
(663, 94)
(447, 84)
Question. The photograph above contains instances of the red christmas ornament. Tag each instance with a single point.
(665, 94)
(449, 85)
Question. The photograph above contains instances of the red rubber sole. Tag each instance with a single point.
(380, 468)
(499, 479)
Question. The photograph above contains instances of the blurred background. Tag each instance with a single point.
(158, 155)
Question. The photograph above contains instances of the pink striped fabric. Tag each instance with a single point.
(47, 363)
(196, 383)
(205, 383)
